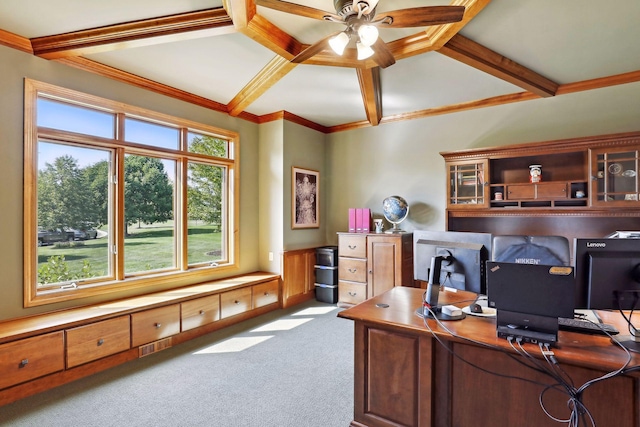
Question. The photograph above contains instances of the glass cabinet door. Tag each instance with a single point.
(467, 186)
(614, 177)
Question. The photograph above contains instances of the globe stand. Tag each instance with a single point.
(395, 229)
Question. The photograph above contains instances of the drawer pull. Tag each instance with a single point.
(236, 302)
(100, 342)
(353, 294)
(201, 312)
(158, 325)
(352, 246)
(23, 363)
(353, 270)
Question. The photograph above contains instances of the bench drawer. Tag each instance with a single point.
(97, 340)
(31, 358)
(265, 293)
(151, 325)
(201, 311)
(235, 302)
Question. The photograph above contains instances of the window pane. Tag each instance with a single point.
(205, 144)
(73, 194)
(73, 118)
(151, 134)
(148, 211)
(206, 210)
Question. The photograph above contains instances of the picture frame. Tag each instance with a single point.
(305, 198)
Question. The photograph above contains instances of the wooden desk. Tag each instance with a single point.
(405, 377)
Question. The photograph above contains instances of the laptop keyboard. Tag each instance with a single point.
(586, 326)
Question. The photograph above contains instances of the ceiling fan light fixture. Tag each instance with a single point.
(368, 34)
(339, 42)
(364, 51)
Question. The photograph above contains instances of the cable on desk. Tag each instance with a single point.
(564, 383)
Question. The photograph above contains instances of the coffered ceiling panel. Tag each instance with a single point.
(242, 57)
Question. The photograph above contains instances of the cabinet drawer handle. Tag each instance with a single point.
(353, 294)
(100, 342)
(353, 270)
(266, 294)
(201, 312)
(353, 246)
(23, 363)
(236, 302)
(158, 325)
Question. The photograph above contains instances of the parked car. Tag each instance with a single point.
(49, 237)
(85, 234)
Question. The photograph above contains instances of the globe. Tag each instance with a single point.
(395, 209)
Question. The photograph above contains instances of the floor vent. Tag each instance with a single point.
(154, 347)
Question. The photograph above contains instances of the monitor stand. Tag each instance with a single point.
(436, 313)
(630, 342)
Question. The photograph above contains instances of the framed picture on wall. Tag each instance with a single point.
(305, 198)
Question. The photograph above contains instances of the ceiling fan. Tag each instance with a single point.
(362, 23)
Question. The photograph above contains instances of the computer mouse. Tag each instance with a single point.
(475, 308)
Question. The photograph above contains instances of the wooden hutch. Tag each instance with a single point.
(589, 187)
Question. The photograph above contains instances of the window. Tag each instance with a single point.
(117, 197)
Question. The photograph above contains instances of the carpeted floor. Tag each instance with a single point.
(293, 367)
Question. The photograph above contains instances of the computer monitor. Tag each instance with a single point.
(463, 257)
(607, 273)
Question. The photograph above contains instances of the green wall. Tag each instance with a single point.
(358, 168)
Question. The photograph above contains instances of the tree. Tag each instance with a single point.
(205, 189)
(148, 193)
(96, 177)
(63, 196)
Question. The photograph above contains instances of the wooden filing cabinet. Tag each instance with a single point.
(97, 340)
(154, 324)
(371, 264)
(235, 302)
(200, 312)
(30, 358)
(265, 293)
(352, 268)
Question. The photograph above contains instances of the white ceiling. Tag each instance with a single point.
(566, 41)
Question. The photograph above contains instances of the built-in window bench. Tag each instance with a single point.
(40, 352)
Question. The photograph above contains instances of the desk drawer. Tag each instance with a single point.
(200, 311)
(351, 293)
(31, 358)
(152, 325)
(352, 245)
(235, 302)
(97, 340)
(265, 293)
(352, 269)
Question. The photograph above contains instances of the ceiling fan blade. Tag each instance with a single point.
(383, 56)
(297, 9)
(422, 16)
(314, 49)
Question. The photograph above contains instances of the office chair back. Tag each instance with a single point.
(544, 250)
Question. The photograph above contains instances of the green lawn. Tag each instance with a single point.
(146, 248)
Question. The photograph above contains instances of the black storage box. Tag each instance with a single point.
(327, 256)
(326, 275)
(327, 293)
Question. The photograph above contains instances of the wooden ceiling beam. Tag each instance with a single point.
(276, 69)
(370, 87)
(190, 25)
(484, 59)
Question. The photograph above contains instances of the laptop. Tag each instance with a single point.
(529, 299)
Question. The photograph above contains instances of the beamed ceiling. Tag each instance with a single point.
(234, 56)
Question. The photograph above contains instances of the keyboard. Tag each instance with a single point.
(586, 327)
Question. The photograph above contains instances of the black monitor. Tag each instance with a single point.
(607, 273)
(463, 257)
